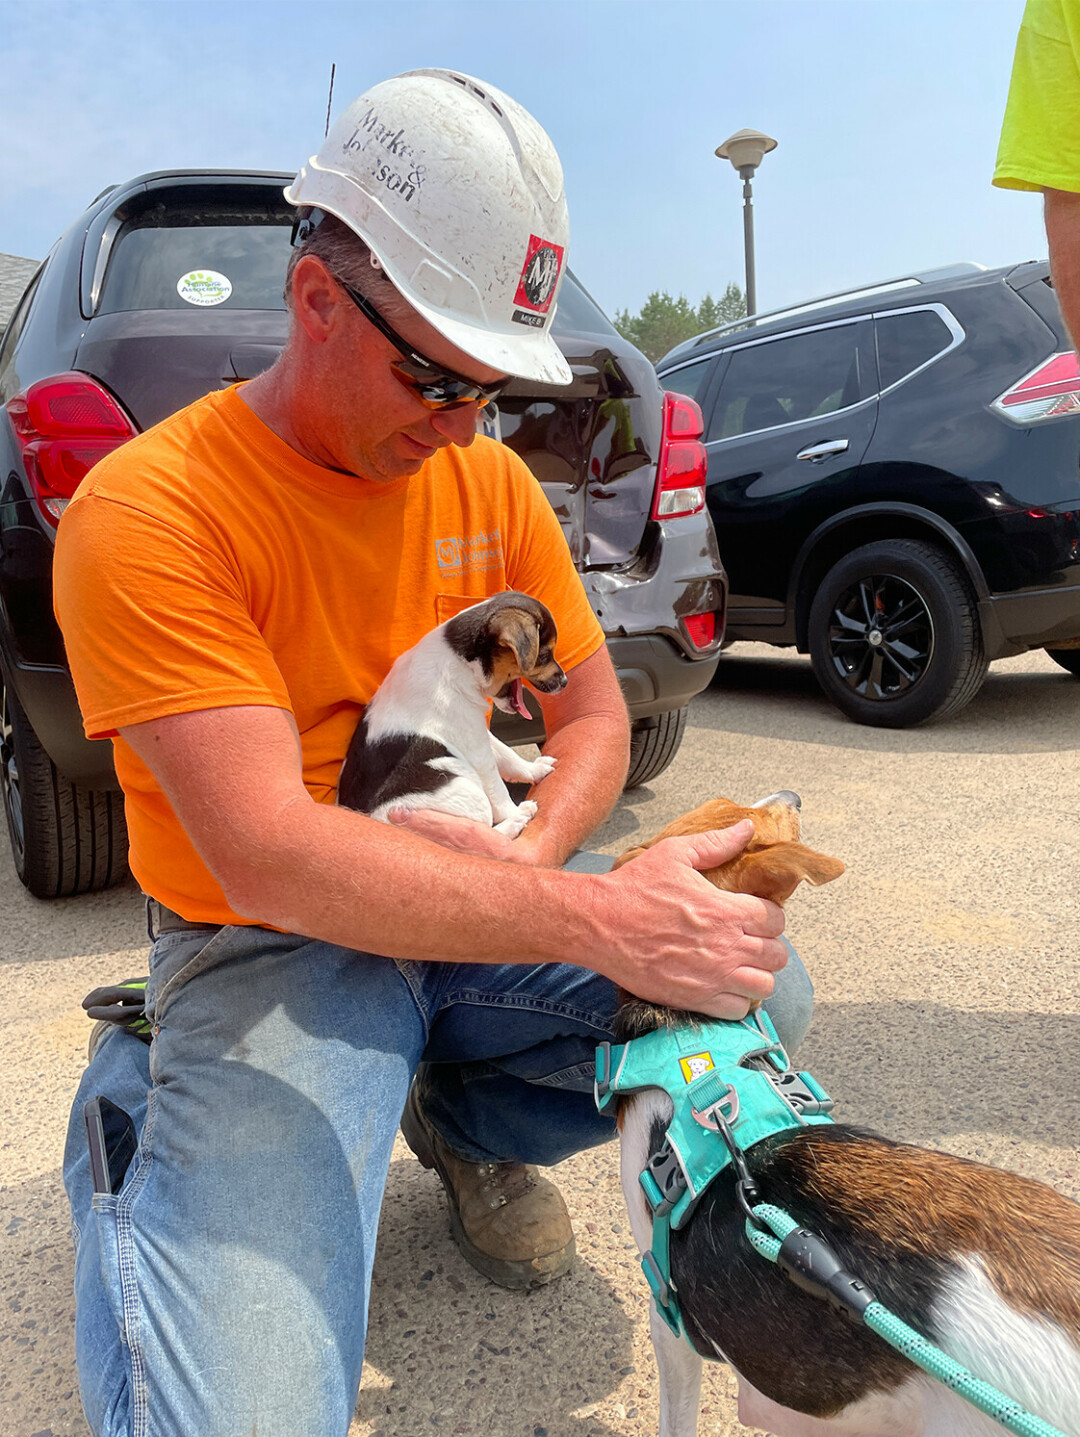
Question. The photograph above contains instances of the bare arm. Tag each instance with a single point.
(235, 780)
(1062, 214)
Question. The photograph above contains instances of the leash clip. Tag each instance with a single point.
(724, 1109)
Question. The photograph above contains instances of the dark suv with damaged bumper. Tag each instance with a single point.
(170, 286)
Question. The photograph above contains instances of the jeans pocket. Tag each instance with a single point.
(178, 957)
(108, 1241)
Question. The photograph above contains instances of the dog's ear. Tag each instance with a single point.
(630, 853)
(776, 871)
(518, 631)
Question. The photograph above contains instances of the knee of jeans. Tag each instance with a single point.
(791, 1006)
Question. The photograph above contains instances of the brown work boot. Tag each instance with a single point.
(507, 1220)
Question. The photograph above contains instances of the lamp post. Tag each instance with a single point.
(746, 149)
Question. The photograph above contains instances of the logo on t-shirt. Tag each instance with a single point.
(470, 552)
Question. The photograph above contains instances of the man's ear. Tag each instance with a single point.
(775, 872)
(519, 632)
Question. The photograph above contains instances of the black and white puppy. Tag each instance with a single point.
(424, 740)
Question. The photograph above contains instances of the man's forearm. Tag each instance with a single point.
(593, 754)
(1062, 215)
(333, 874)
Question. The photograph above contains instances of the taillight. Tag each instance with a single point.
(680, 472)
(1047, 392)
(64, 425)
(700, 629)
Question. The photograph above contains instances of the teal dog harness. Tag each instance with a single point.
(723, 1105)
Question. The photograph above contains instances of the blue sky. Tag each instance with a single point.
(887, 114)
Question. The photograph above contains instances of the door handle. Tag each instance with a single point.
(817, 452)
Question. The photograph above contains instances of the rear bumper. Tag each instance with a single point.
(654, 675)
(1014, 623)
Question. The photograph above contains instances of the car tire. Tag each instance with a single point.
(654, 743)
(928, 662)
(1067, 658)
(64, 839)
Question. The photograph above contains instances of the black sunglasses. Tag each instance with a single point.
(434, 386)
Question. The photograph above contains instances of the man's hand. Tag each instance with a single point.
(685, 943)
(464, 835)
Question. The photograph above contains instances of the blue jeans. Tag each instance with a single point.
(225, 1287)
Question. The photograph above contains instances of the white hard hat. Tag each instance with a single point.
(459, 194)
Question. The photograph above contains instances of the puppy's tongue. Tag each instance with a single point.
(517, 699)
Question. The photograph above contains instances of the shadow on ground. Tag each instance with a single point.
(924, 1073)
(1016, 710)
(449, 1352)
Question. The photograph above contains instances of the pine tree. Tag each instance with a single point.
(663, 322)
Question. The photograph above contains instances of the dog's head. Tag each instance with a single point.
(773, 863)
(510, 638)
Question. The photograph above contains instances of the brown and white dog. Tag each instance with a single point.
(982, 1262)
(424, 742)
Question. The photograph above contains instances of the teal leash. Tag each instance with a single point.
(812, 1265)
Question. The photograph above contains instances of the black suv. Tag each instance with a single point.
(170, 286)
(893, 476)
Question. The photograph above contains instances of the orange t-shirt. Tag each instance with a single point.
(207, 564)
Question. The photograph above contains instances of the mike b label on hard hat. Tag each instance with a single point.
(203, 287)
(538, 282)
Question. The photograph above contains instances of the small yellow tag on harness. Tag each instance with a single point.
(695, 1065)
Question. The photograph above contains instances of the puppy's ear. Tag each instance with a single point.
(519, 631)
(775, 872)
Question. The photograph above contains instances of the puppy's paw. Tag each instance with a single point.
(540, 768)
(517, 820)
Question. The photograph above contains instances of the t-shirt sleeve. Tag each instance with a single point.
(154, 620)
(538, 562)
(1040, 134)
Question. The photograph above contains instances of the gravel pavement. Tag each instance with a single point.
(948, 1013)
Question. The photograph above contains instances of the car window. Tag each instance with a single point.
(907, 339)
(9, 337)
(691, 379)
(577, 311)
(182, 260)
(784, 380)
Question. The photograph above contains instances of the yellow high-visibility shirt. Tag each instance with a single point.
(1040, 135)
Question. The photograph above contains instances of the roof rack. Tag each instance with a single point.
(926, 276)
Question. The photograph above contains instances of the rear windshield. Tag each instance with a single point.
(577, 312)
(198, 258)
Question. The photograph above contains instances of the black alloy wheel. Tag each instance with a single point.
(881, 637)
(894, 635)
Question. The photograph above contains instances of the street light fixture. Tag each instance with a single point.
(746, 149)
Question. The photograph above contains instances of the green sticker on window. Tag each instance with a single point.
(203, 287)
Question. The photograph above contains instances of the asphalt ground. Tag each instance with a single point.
(948, 1013)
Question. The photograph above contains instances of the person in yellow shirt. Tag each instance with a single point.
(1040, 136)
(233, 585)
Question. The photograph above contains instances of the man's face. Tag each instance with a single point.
(369, 423)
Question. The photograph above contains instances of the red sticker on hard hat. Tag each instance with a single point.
(539, 279)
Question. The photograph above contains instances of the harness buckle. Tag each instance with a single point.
(802, 1092)
(662, 1181)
